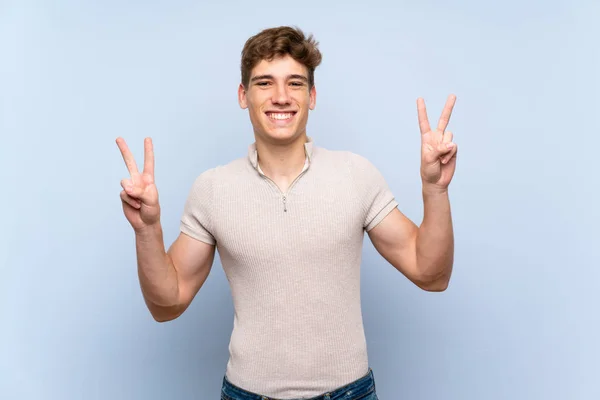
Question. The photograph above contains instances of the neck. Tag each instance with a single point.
(283, 160)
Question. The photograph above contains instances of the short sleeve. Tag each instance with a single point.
(374, 194)
(196, 220)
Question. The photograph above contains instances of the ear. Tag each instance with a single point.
(242, 96)
(313, 98)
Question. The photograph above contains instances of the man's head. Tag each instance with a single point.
(277, 85)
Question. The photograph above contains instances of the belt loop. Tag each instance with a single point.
(327, 396)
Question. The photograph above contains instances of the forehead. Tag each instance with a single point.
(279, 67)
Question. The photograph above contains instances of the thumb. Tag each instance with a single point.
(133, 190)
(147, 194)
(444, 148)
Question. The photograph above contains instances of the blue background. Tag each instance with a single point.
(520, 319)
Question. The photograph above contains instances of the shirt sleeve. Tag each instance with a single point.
(196, 220)
(376, 198)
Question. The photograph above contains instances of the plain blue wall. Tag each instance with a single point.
(520, 319)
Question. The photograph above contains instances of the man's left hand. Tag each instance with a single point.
(438, 151)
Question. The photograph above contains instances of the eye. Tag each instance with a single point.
(297, 84)
(262, 83)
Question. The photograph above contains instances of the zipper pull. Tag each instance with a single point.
(284, 205)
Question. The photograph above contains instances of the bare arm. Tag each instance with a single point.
(435, 241)
(423, 254)
(170, 280)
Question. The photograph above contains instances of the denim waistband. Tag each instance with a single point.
(356, 389)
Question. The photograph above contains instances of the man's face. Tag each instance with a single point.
(278, 99)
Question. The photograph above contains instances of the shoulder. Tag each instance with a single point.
(354, 162)
(223, 173)
(339, 158)
(362, 171)
(347, 164)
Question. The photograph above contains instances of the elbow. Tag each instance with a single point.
(435, 286)
(163, 314)
(434, 278)
(437, 283)
(160, 318)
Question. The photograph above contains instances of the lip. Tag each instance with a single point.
(281, 122)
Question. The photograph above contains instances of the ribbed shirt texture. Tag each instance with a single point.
(293, 264)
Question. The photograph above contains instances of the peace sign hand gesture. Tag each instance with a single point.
(438, 152)
(139, 195)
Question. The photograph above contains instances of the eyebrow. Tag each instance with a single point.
(294, 76)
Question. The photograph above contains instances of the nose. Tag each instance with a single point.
(281, 95)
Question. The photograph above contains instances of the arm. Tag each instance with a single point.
(170, 280)
(423, 254)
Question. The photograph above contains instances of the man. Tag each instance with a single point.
(289, 221)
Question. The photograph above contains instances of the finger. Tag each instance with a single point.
(131, 189)
(127, 156)
(446, 113)
(126, 184)
(450, 155)
(447, 138)
(422, 113)
(148, 157)
(444, 149)
(129, 200)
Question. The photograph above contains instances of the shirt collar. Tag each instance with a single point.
(253, 154)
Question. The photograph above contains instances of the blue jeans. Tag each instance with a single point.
(361, 389)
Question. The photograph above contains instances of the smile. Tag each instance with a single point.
(280, 116)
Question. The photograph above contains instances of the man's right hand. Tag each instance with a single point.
(139, 195)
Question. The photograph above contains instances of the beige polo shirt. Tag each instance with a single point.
(293, 264)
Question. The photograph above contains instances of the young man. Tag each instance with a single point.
(289, 221)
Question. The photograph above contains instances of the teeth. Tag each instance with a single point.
(280, 115)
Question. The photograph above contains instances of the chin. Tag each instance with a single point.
(281, 135)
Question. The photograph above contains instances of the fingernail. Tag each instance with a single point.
(449, 145)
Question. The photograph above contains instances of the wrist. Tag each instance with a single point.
(148, 230)
(434, 190)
